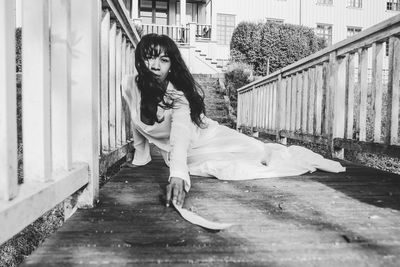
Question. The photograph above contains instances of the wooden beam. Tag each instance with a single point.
(36, 198)
(36, 96)
(8, 103)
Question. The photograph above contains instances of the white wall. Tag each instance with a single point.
(372, 12)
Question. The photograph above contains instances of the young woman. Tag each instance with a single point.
(167, 109)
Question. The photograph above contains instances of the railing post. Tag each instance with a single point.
(85, 22)
(335, 100)
(8, 96)
(36, 96)
(192, 33)
(61, 84)
(279, 108)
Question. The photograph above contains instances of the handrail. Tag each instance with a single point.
(321, 99)
(180, 34)
(74, 122)
(368, 36)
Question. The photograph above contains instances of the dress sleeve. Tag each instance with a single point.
(180, 137)
(140, 143)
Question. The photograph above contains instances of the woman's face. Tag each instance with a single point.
(159, 65)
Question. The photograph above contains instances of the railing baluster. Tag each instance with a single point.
(111, 85)
(319, 91)
(363, 81)
(304, 101)
(281, 99)
(36, 91)
(8, 96)
(271, 105)
(104, 93)
(377, 64)
(288, 101)
(299, 89)
(311, 99)
(393, 91)
(61, 84)
(125, 114)
(265, 107)
(349, 103)
(85, 24)
(325, 99)
(339, 87)
(118, 77)
(293, 104)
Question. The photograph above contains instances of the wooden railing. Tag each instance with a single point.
(203, 31)
(179, 34)
(318, 99)
(72, 112)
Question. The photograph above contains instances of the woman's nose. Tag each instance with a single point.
(155, 64)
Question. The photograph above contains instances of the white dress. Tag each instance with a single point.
(214, 150)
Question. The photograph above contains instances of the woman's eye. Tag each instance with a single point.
(166, 60)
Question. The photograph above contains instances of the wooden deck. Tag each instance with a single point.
(319, 219)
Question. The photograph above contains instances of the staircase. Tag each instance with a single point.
(214, 99)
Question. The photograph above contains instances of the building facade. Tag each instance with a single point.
(215, 20)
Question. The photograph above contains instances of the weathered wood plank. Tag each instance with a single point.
(61, 85)
(299, 103)
(363, 81)
(112, 85)
(104, 81)
(394, 92)
(36, 98)
(315, 219)
(288, 101)
(305, 102)
(319, 77)
(8, 104)
(311, 100)
(293, 98)
(377, 88)
(349, 104)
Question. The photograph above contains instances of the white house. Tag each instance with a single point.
(211, 22)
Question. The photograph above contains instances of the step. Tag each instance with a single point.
(197, 50)
(203, 55)
(208, 58)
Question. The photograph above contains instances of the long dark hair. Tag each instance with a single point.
(153, 91)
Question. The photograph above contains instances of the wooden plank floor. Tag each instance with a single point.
(319, 219)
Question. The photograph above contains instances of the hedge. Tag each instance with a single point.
(282, 44)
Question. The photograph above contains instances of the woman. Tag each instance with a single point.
(167, 109)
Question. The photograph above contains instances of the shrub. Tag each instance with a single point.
(282, 44)
(237, 75)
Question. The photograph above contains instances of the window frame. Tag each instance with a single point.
(355, 30)
(330, 35)
(393, 3)
(324, 2)
(218, 26)
(275, 20)
(353, 4)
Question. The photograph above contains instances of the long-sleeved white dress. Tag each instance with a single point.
(214, 150)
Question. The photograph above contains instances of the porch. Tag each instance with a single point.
(75, 126)
(318, 219)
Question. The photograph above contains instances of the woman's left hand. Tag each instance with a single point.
(176, 191)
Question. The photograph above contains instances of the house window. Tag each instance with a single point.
(191, 12)
(325, 31)
(273, 20)
(393, 5)
(325, 2)
(225, 27)
(353, 30)
(354, 3)
(154, 11)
